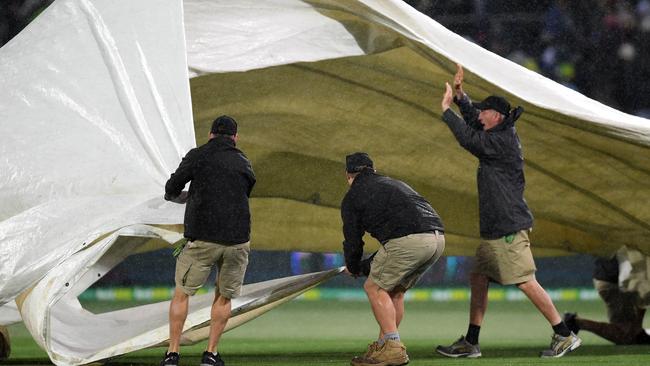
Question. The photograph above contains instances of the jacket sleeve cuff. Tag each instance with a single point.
(461, 101)
(450, 117)
(352, 254)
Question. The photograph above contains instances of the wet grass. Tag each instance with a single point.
(332, 332)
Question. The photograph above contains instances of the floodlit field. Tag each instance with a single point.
(332, 332)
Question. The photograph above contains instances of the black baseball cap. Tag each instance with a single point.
(224, 125)
(499, 104)
(356, 162)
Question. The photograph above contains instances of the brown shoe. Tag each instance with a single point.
(392, 353)
(372, 348)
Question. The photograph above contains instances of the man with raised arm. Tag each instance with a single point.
(487, 131)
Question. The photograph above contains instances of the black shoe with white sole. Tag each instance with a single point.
(170, 359)
(210, 359)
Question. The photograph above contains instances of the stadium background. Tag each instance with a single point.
(599, 47)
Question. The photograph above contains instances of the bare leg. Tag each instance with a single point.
(177, 315)
(617, 333)
(397, 297)
(539, 297)
(398, 302)
(219, 316)
(478, 304)
(382, 307)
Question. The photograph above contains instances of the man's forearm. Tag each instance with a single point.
(179, 178)
(180, 198)
(468, 112)
(456, 124)
(352, 253)
(174, 187)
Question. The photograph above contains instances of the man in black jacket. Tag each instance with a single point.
(412, 238)
(217, 227)
(487, 131)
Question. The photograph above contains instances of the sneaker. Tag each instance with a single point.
(571, 323)
(460, 348)
(210, 359)
(392, 353)
(561, 345)
(170, 359)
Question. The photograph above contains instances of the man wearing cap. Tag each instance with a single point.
(412, 238)
(487, 131)
(217, 227)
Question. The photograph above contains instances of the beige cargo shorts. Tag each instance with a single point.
(195, 262)
(402, 261)
(507, 260)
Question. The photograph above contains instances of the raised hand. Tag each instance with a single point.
(447, 98)
(458, 81)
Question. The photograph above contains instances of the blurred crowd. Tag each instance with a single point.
(600, 48)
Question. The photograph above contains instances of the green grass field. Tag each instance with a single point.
(332, 332)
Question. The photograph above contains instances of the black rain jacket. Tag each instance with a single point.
(500, 177)
(221, 183)
(384, 207)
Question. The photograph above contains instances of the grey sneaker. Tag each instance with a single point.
(460, 348)
(561, 345)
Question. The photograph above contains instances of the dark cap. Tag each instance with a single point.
(224, 125)
(355, 163)
(499, 104)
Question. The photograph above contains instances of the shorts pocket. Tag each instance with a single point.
(520, 256)
(184, 279)
(236, 256)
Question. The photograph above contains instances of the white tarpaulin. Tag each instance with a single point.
(95, 112)
(377, 89)
(72, 335)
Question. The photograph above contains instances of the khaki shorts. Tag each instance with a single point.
(402, 261)
(506, 263)
(195, 262)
